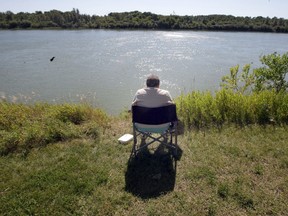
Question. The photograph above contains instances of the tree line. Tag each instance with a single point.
(139, 20)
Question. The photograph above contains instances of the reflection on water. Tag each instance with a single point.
(105, 68)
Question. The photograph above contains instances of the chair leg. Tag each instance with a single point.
(133, 152)
(166, 140)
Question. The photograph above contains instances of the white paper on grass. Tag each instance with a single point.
(125, 138)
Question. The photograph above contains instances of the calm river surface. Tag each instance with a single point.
(106, 67)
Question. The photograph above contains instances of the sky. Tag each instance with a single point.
(250, 8)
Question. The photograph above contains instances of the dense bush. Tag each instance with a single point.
(271, 76)
(23, 127)
(202, 109)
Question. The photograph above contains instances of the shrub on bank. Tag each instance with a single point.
(248, 97)
(202, 109)
(23, 127)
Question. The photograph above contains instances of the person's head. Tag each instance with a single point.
(153, 81)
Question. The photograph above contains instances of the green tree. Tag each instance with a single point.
(273, 74)
(9, 16)
(25, 24)
(239, 82)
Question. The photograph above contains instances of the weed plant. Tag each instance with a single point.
(23, 127)
(203, 110)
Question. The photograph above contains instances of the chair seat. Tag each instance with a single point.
(162, 128)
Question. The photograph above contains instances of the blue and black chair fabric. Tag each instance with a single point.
(153, 125)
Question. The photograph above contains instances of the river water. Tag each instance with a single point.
(106, 67)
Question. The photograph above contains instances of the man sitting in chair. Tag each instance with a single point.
(151, 97)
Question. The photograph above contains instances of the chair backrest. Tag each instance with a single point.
(154, 116)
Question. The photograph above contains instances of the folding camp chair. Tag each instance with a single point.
(154, 125)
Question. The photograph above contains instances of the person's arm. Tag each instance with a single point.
(134, 101)
(169, 98)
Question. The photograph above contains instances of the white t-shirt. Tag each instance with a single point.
(152, 97)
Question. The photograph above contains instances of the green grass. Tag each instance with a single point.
(240, 168)
(85, 171)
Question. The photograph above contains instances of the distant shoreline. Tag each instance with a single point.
(136, 20)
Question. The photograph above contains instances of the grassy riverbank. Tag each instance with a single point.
(65, 160)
